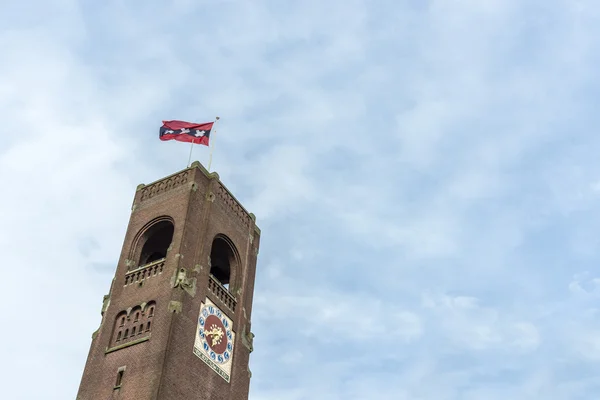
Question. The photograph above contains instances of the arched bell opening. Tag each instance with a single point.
(153, 243)
(223, 261)
(158, 240)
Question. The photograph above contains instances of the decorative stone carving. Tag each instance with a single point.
(181, 280)
(248, 339)
(164, 185)
(175, 306)
(105, 304)
(231, 204)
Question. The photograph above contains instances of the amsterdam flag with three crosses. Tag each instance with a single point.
(189, 132)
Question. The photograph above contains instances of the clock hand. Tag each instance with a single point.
(215, 331)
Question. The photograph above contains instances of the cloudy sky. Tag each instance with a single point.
(426, 175)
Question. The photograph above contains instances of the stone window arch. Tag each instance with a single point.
(130, 323)
(119, 327)
(224, 261)
(152, 242)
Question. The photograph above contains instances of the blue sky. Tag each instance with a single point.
(425, 175)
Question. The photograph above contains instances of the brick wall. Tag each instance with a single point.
(161, 364)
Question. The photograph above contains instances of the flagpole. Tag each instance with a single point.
(190, 157)
(212, 143)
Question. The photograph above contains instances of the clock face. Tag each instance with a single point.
(214, 339)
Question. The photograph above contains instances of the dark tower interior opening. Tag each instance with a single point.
(221, 258)
(119, 381)
(158, 240)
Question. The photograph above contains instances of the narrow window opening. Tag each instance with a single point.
(122, 321)
(141, 329)
(133, 331)
(119, 379)
(119, 336)
(151, 312)
(126, 334)
(148, 327)
(137, 316)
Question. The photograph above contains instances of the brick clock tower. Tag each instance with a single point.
(176, 323)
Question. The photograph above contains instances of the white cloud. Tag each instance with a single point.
(588, 345)
(472, 326)
(425, 175)
(584, 285)
(325, 316)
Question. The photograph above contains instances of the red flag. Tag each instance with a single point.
(189, 132)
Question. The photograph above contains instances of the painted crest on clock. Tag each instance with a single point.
(215, 339)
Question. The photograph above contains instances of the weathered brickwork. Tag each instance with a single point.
(159, 363)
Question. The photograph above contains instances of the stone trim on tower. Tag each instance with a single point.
(132, 324)
(189, 242)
